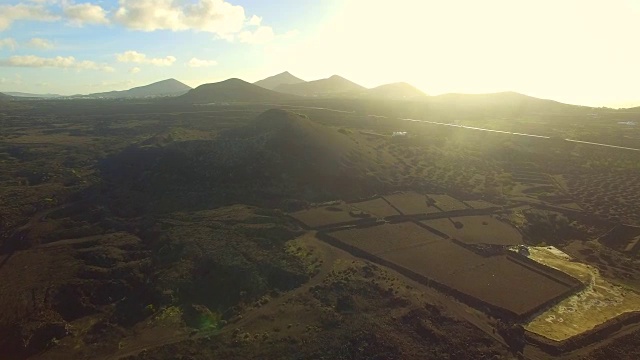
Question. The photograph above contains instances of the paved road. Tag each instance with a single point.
(464, 127)
(518, 134)
(476, 128)
(598, 144)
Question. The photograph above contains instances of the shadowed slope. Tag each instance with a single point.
(502, 100)
(169, 87)
(395, 91)
(279, 155)
(231, 90)
(274, 81)
(334, 85)
(4, 97)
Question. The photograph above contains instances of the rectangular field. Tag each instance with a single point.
(482, 229)
(376, 207)
(480, 204)
(411, 203)
(438, 261)
(447, 203)
(377, 240)
(326, 216)
(500, 282)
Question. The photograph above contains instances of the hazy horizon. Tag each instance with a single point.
(576, 52)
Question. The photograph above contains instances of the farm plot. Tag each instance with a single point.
(480, 204)
(411, 203)
(501, 281)
(447, 203)
(334, 215)
(498, 282)
(377, 240)
(482, 229)
(376, 207)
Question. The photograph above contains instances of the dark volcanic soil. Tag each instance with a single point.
(123, 234)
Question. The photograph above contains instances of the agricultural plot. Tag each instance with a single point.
(447, 203)
(477, 230)
(376, 207)
(480, 204)
(505, 283)
(498, 282)
(329, 215)
(377, 240)
(411, 203)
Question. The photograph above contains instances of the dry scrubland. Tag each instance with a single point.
(151, 229)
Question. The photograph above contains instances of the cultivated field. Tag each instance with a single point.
(498, 281)
(447, 203)
(332, 215)
(484, 229)
(412, 203)
(377, 207)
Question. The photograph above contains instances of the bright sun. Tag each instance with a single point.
(573, 51)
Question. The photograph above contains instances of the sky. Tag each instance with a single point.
(575, 51)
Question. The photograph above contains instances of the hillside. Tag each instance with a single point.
(169, 87)
(332, 86)
(274, 81)
(394, 91)
(231, 90)
(511, 103)
(280, 154)
(4, 97)
(301, 148)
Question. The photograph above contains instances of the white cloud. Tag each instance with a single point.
(134, 70)
(215, 16)
(290, 34)
(195, 63)
(80, 14)
(11, 13)
(68, 62)
(8, 43)
(255, 20)
(40, 43)
(140, 58)
(262, 35)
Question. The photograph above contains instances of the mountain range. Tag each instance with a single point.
(169, 87)
(335, 85)
(231, 90)
(285, 86)
(273, 82)
(395, 91)
(30, 95)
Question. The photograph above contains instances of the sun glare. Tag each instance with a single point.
(574, 51)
